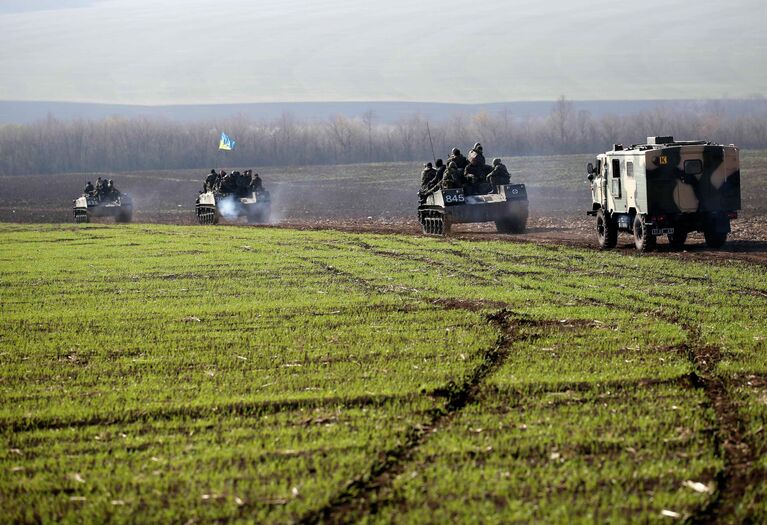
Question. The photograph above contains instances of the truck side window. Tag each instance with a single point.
(616, 168)
(693, 167)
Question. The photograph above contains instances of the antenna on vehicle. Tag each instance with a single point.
(433, 156)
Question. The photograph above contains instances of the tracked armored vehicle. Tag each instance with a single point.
(120, 207)
(254, 205)
(665, 188)
(506, 205)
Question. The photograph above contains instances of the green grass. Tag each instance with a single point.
(160, 373)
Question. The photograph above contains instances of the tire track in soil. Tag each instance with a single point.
(354, 499)
(731, 440)
(730, 436)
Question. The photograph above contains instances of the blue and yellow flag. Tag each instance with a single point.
(226, 142)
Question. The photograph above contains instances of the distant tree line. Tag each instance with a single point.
(133, 144)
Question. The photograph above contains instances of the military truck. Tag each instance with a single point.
(506, 205)
(665, 188)
(254, 205)
(120, 207)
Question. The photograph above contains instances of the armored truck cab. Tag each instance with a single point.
(506, 205)
(665, 187)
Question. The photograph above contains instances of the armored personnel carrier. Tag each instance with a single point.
(119, 206)
(254, 205)
(665, 188)
(506, 205)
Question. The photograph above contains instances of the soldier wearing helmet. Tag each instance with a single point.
(440, 166)
(460, 161)
(88, 188)
(476, 156)
(112, 191)
(210, 181)
(427, 176)
(452, 177)
(257, 183)
(500, 175)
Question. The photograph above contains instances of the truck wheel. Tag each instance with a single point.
(678, 238)
(643, 239)
(715, 239)
(607, 231)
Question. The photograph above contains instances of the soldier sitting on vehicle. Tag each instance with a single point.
(476, 155)
(112, 192)
(427, 176)
(227, 184)
(452, 177)
(102, 188)
(460, 161)
(243, 183)
(476, 171)
(97, 188)
(257, 184)
(210, 181)
(88, 190)
(440, 165)
(500, 175)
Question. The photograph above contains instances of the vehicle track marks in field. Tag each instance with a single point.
(731, 439)
(358, 495)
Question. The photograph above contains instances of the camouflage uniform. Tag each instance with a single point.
(243, 183)
(104, 190)
(440, 170)
(210, 181)
(460, 161)
(500, 175)
(452, 177)
(476, 156)
(258, 185)
(428, 175)
(228, 182)
(476, 171)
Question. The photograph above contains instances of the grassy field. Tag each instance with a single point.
(161, 374)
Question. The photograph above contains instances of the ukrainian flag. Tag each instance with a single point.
(226, 142)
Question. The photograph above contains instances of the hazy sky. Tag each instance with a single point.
(219, 51)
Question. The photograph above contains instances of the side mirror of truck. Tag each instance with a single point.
(589, 168)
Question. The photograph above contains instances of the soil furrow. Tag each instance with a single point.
(731, 439)
(360, 495)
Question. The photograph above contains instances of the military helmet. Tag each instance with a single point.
(452, 164)
(213, 172)
(477, 146)
(440, 163)
(496, 161)
(455, 151)
(428, 165)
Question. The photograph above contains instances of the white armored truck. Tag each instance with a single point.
(665, 188)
